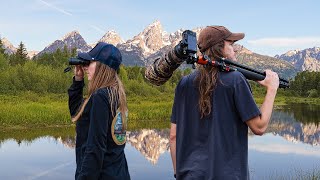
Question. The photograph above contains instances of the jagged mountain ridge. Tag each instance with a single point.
(262, 62)
(10, 49)
(153, 41)
(70, 40)
(112, 37)
(303, 60)
(7, 45)
(150, 40)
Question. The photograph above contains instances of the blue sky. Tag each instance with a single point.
(271, 27)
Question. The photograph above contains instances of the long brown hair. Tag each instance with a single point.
(103, 77)
(207, 80)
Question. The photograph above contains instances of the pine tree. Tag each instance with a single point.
(66, 52)
(21, 56)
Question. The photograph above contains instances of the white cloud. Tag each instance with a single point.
(55, 7)
(286, 42)
(285, 149)
(49, 171)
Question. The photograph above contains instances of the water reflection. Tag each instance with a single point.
(297, 123)
(292, 139)
(69, 142)
(151, 143)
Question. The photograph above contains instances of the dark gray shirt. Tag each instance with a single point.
(215, 147)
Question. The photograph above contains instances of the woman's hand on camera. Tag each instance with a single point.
(78, 73)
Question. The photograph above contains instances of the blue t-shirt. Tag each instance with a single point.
(215, 147)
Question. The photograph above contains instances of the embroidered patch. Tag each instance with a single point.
(118, 135)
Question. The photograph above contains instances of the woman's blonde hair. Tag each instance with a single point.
(207, 80)
(103, 77)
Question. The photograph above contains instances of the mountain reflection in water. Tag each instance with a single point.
(292, 139)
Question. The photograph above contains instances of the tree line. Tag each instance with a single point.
(44, 74)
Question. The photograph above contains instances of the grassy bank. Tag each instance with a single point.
(33, 110)
(29, 109)
(284, 100)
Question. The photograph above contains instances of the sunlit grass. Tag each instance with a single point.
(50, 110)
(284, 100)
(28, 109)
(32, 110)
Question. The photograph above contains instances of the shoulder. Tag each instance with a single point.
(232, 78)
(187, 81)
(100, 95)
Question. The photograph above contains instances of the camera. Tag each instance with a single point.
(78, 61)
(162, 68)
(189, 42)
(187, 47)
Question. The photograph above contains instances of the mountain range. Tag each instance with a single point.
(153, 41)
(303, 60)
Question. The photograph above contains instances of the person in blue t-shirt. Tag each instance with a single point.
(101, 118)
(212, 111)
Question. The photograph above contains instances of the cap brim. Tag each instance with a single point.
(235, 36)
(85, 56)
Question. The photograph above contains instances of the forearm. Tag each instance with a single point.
(162, 69)
(75, 93)
(173, 144)
(266, 109)
(173, 154)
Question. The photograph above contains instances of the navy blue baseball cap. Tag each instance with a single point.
(105, 53)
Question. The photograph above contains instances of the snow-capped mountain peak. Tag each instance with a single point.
(150, 40)
(303, 60)
(292, 52)
(71, 34)
(112, 37)
(7, 45)
(70, 40)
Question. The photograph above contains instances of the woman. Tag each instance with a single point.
(212, 112)
(100, 118)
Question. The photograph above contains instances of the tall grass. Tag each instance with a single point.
(33, 110)
(30, 109)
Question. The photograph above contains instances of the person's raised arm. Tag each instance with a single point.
(259, 124)
(75, 91)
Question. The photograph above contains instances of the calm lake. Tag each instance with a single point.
(289, 150)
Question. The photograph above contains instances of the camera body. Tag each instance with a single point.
(78, 61)
(189, 42)
(187, 48)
